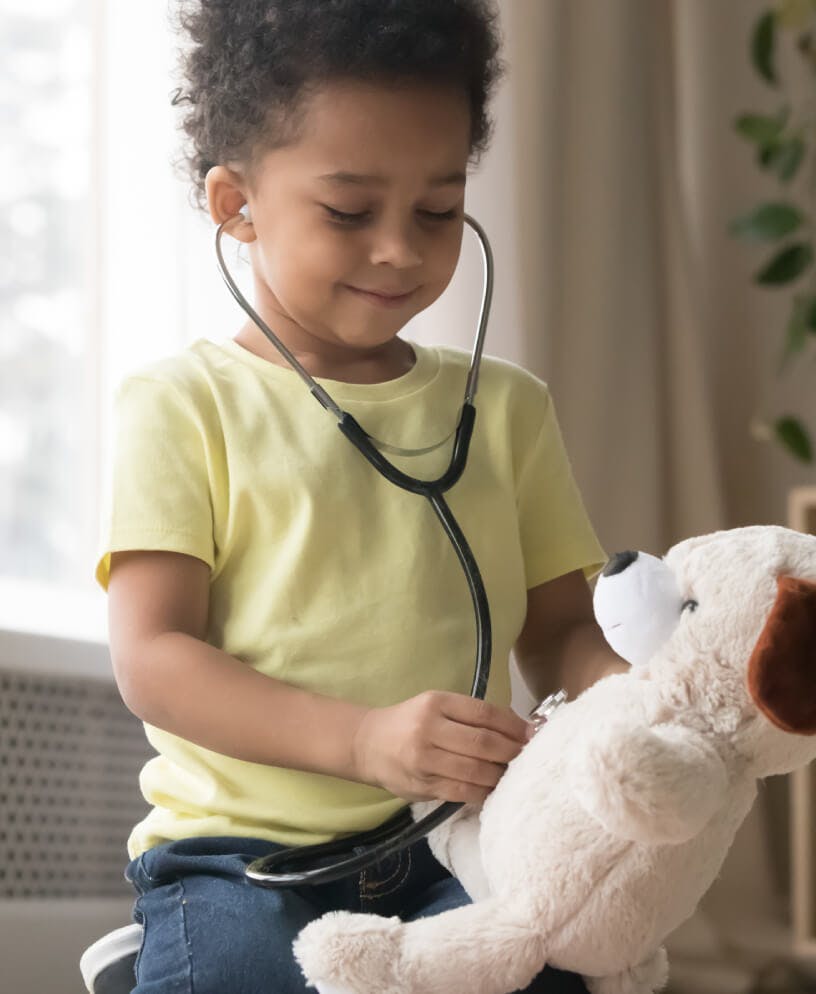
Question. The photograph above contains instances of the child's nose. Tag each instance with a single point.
(395, 246)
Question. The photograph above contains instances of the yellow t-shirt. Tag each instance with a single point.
(323, 574)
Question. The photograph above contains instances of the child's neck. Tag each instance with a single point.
(390, 361)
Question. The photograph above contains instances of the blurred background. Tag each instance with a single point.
(649, 195)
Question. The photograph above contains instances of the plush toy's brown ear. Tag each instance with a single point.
(782, 668)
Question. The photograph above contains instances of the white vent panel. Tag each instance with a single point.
(70, 756)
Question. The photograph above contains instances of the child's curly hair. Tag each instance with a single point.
(253, 61)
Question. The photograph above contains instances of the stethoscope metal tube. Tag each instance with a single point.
(367, 848)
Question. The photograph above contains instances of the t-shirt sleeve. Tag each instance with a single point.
(158, 490)
(556, 534)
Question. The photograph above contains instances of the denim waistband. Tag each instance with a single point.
(380, 888)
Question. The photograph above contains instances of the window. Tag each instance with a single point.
(99, 242)
(46, 258)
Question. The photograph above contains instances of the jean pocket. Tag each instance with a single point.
(164, 959)
(385, 877)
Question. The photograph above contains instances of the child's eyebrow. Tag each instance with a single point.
(457, 178)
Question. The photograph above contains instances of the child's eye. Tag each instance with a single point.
(343, 217)
(440, 215)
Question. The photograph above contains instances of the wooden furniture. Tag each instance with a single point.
(802, 517)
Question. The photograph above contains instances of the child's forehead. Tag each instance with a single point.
(356, 129)
(343, 179)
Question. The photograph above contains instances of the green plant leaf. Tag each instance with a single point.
(788, 158)
(766, 155)
(787, 265)
(796, 333)
(763, 41)
(761, 128)
(782, 157)
(767, 222)
(794, 437)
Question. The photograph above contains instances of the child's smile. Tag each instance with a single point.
(383, 298)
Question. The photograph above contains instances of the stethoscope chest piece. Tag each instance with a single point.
(542, 713)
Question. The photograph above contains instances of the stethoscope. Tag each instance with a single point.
(366, 848)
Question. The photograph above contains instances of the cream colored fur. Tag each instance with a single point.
(610, 825)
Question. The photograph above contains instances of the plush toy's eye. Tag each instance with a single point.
(689, 605)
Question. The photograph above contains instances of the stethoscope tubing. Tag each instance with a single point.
(368, 848)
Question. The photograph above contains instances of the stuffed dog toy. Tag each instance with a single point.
(610, 825)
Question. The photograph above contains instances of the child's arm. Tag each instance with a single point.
(434, 746)
(561, 644)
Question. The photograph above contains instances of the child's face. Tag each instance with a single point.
(405, 153)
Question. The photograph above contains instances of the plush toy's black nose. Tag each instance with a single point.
(618, 562)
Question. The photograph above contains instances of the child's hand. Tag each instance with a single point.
(438, 746)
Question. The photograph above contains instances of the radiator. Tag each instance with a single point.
(70, 756)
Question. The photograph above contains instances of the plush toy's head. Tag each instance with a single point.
(725, 626)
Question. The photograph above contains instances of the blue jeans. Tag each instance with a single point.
(207, 930)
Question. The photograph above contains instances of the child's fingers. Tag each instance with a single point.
(475, 742)
(438, 745)
(466, 768)
(483, 714)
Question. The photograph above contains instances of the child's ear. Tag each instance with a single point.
(782, 668)
(226, 199)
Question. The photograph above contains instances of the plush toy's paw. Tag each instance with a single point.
(344, 953)
(649, 785)
(327, 988)
(647, 977)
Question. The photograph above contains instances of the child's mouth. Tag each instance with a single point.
(383, 299)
